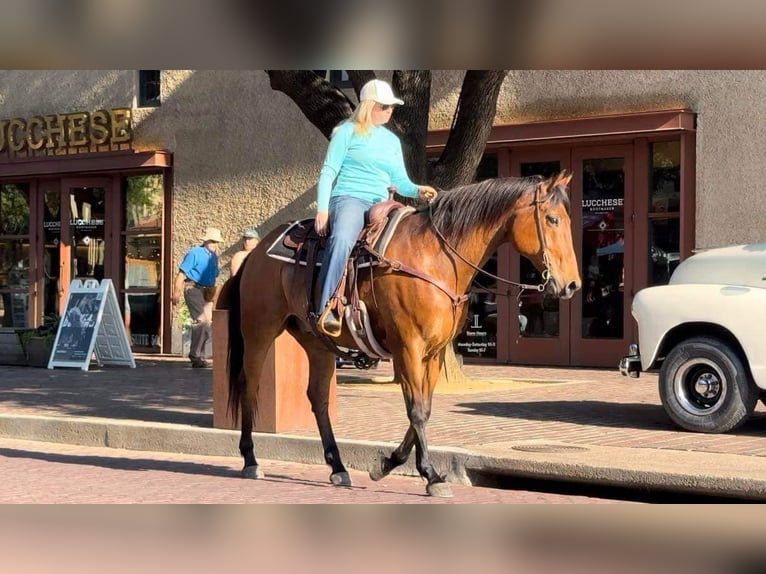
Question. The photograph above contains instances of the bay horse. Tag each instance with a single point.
(413, 318)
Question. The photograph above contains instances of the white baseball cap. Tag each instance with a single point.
(379, 91)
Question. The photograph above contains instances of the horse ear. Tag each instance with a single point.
(563, 178)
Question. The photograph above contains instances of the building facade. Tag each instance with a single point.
(116, 173)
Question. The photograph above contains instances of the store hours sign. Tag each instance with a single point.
(479, 338)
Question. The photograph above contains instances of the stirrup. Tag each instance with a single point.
(335, 326)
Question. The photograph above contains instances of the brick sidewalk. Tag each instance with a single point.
(593, 407)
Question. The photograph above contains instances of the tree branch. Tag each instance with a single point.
(323, 104)
(472, 124)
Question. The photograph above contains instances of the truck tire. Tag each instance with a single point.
(705, 386)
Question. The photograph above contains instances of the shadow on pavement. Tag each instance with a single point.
(167, 391)
(596, 413)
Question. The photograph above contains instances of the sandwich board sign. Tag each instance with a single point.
(91, 323)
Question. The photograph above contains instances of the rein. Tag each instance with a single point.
(546, 274)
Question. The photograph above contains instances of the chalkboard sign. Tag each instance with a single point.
(91, 324)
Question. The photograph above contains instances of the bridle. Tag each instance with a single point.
(546, 273)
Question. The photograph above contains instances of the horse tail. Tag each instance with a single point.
(230, 299)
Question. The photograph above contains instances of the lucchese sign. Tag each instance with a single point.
(59, 132)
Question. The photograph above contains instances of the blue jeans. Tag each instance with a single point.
(346, 221)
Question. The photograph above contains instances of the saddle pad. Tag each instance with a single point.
(278, 249)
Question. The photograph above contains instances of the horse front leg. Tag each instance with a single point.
(418, 379)
(388, 463)
(421, 413)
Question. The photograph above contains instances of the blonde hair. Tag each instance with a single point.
(362, 117)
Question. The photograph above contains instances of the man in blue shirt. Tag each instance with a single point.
(196, 281)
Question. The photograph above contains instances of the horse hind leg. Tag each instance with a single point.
(257, 344)
(321, 368)
(252, 371)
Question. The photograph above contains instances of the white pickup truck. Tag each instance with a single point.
(706, 333)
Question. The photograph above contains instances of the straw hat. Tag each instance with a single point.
(212, 234)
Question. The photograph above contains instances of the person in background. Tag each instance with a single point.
(250, 239)
(363, 160)
(195, 280)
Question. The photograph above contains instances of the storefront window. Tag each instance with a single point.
(664, 211)
(14, 255)
(143, 258)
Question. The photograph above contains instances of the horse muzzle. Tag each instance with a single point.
(567, 292)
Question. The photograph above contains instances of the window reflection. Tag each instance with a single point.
(664, 215)
(666, 177)
(144, 207)
(14, 282)
(143, 202)
(664, 256)
(14, 210)
(603, 247)
(142, 261)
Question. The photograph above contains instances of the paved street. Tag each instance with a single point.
(584, 425)
(44, 473)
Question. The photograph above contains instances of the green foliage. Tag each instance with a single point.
(46, 331)
(143, 199)
(184, 317)
(14, 210)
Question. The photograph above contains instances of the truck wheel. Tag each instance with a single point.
(705, 387)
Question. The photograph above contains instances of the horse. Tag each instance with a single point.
(414, 316)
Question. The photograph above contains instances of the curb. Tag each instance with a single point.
(184, 439)
(721, 475)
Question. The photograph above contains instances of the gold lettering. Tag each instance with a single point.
(121, 131)
(55, 129)
(99, 127)
(17, 143)
(3, 140)
(76, 131)
(33, 141)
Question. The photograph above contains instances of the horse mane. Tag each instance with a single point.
(484, 204)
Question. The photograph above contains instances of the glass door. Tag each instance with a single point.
(87, 234)
(539, 322)
(603, 233)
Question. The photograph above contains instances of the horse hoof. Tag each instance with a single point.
(440, 489)
(252, 472)
(379, 473)
(340, 479)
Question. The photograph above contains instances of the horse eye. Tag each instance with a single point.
(552, 219)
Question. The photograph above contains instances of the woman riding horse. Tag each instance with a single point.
(413, 316)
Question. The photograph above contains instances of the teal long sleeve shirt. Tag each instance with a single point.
(363, 166)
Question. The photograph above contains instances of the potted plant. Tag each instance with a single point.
(38, 343)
